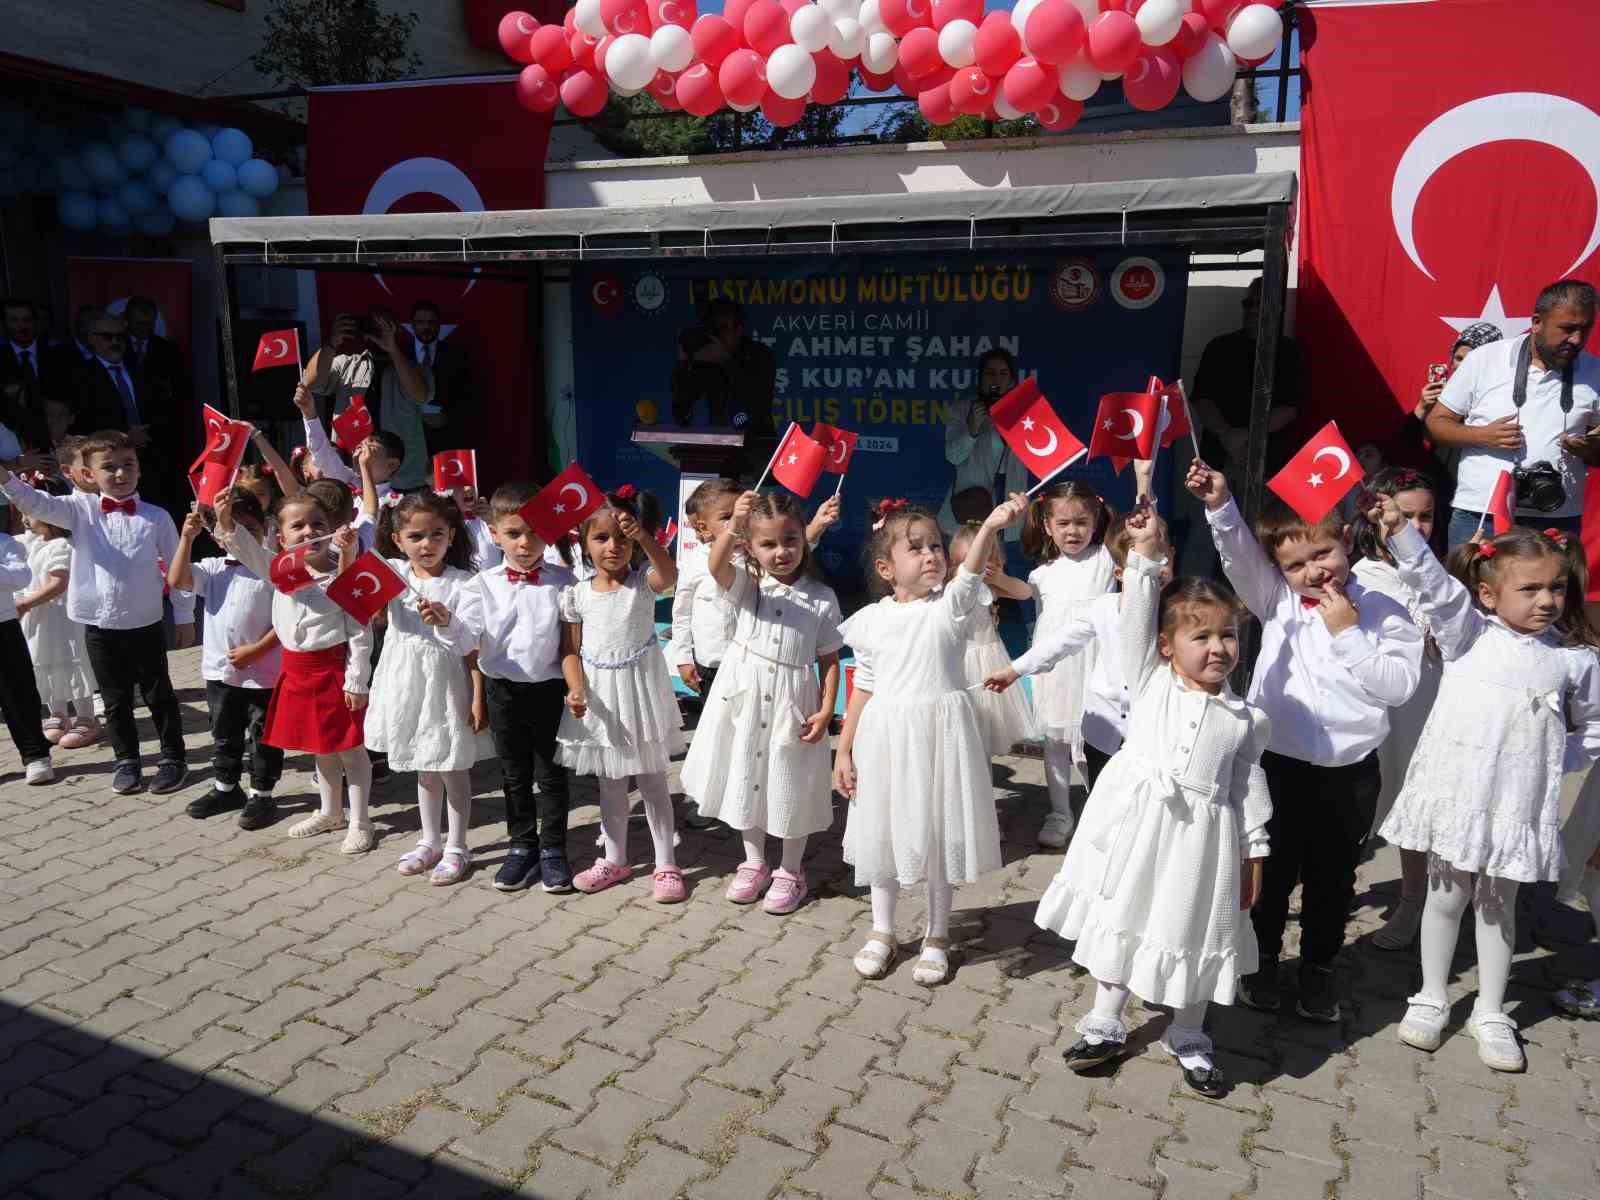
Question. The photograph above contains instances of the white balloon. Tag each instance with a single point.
(1002, 107)
(847, 39)
(1089, 8)
(1077, 79)
(671, 48)
(1254, 31)
(1020, 14)
(810, 27)
(880, 53)
(956, 44)
(586, 15)
(871, 20)
(840, 10)
(790, 71)
(1159, 21)
(1209, 74)
(624, 93)
(629, 63)
(744, 107)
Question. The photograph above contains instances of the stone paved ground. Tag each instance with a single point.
(186, 1010)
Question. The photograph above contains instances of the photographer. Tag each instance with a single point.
(1529, 405)
(984, 468)
(364, 355)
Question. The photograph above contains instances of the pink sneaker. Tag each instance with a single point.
(749, 881)
(668, 887)
(787, 893)
(600, 876)
(81, 734)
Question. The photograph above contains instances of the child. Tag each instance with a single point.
(475, 517)
(114, 589)
(1066, 530)
(911, 758)
(1004, 719)
(1376, 571)
(701, 623)
(55, 641)
(318, 703)
(69, 461)
(387, 451)
(519, 655)
(1483, 793)
(1335, 658)
(19, 693)
(1581, 877)
(1170, 854)
(421, 710)
(621, 716)
(241, 662)
(759, 762)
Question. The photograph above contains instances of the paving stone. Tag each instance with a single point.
(496, 1074)
(574, 1083)
(846, 1166)
(504, 1143)
(666, 1075)
(803, 1107)
(276, 1061)
(369, 1053)
(1181, 1179)
(888, 1107)
(975, 1100)
(756, 1168)
(661, 1172)
(943, 1157)
(430, 1129)
(610, 1128)
(563, 1176)
(1123, 1145)
(1470, 1170)
(404, 1079)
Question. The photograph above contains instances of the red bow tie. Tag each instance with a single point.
(1309, 602)
(108, 505)
(522, 576)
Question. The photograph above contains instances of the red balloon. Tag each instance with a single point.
(671, 12)
(793, 6)
(782, 112)
(664, 88)
(537, 90)
(1217, 12)
(903, 80)
(515, 30)
(625, 16)
(1056, 32)
(570, 21)
(1029, 85)
(898, 18)
(551, 49)
(1113, 42)
(697, 90)
(766, 27)
(941, 75)
(582, 47)
(998, 46)
(945, 11)
(919, 51)
(743, 77)
(734, 13)
(584, 93)
(971, 91)
(936, 105)
(1120, 5)
(873, 83)
(600, 49)
(1153, 80)
(714, 39)
(1190, 37)
(1060, 113)
(833, 78)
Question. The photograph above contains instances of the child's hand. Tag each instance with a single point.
(1249, 882)
(741, 510)
(630, 527)
(304, 400)
(844, 775)
(344, 537)
(1336, 610)
(1007, 513)
(222, 508)
(815, 727)
(433, 613)
(1144, 532)
(1382, 511)
(193, 524)
(355, 701)
(999, 681)
(577, 702)
(479, 716)
(241, 656)
(1211, 487)
(828, 515)
(690, 674)
(183, 635)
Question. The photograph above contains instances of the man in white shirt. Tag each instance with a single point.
(344, 365)
(1529, 405)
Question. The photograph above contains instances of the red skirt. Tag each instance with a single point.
(307, 711)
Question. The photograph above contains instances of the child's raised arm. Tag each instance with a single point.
(982, 543)
(1141, 597)
(720, 562)
(663, 569)
(180, 573)
(827, 517)
(288, 482)
(1254, 577)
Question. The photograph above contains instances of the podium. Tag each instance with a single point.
(701, 453)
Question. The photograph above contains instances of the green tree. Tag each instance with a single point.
(905, 123)
(314, 43)
(630, 127)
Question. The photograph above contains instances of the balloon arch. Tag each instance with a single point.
(1044, 57)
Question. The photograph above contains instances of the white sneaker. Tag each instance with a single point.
(359, 839)
(40, 771)
(1423, 1026)
(1498, 1048)
(314, 824)
(1055, 831)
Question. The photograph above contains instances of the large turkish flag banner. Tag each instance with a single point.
(441, 146)
(1450, 157)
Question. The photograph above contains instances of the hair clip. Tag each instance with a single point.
(1556, 536)
(1405, 481)
(886, 509)
(1487, 549)
(390, 501)
(626, 492)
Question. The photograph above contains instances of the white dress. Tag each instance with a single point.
(1483, 792)
(632, 725)
(420, 713)
(924, 803)
(1149, 888)
(1062, 589)
(55, 640)
(747, 766)
(1003, 717)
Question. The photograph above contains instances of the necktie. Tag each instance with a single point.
(522, 576)
(130, 407)
(108, 505)
(427, 356)
(29, 367)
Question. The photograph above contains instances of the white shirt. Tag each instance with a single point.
(326, 459)
(1106, 699)
(117, 578)
(483, 545)
(10, 447)
(394, 409)
(521, 624)
(308, 620)
(1480, 392)
(15, 575)
(1328, 697)
(238, 612)
(702, 620)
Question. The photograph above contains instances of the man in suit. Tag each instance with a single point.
(447, 419)
(24, 357)
(114, 395)
(159, 359)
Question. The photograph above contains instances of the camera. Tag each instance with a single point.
(1539, 487)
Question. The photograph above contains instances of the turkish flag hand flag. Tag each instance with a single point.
(354, 425)
(365, 587)
(454, 469)
(1174, 422)
(562, 504)
(279, 348)
(289, 572)
(214, 470)
(1126, 426)
(1039, 439)
(1319, 476)
(1500, 504)
(799, 461)
(840, 445)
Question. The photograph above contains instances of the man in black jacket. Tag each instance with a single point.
(112, 395)
(448, 419)
(24, 357)
(158, 359)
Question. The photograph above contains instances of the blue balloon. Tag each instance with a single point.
(137, 152)
(72, 175)
(160, 176)
(238, 204)
(158, 222)
(76, 210)
(189, 150)
(258, 178)
(191, 199)
(219, 176)
(162, 128)
(135, 197)
(111, 216)
(104, 167)
(209, 131)
(232, 146)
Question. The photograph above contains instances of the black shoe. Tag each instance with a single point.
(1319, 993)
(1084, 1055)
(1262, 991)
(517, 871)
(554, 871)
(1208, 1081)
(128, 779)
(259, 812)
(211, 802)
(170, 776)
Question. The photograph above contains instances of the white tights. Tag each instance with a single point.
(433, 789)
(940, 898)
(755, 850)
(1494, 904)
(351, 767)
(657, 814)
(1058, 776)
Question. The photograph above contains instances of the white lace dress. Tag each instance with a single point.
(55, 641)
(747, 766)
(1149, 888)
(420, 713)
(1004, 718)
(1062, 589)
(924, 803)
(632, 725)
(1483, 791)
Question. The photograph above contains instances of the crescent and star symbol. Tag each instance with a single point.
(523, 25)
(1339, 455)
(915, 10)
(1048, 448)
(669, 14)
(838, 452)
(583, 495)
(1135, 426)
(224, 440)
(282, 350)
(424, 175)
(606, 286)
(357, 592)
(453, 467)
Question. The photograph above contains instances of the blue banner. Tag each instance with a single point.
(879, 345)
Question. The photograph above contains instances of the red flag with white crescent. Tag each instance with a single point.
(1037, 436)
(454, 469)
(354, 425)
(562, 504)
(799, 462)
(279, 348)
(1319, 476)
(214, 470)
(840, 445)
(289, 572)
(365, 587)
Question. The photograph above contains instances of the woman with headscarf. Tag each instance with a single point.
(1470, 338)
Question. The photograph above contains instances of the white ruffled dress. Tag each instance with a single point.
(747, 766)
(55, 641)
(1149, 889)
(1062, 589)
(1483, 791)
(1003, 717)
(632, 726)
(924, 803)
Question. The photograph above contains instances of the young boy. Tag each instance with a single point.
(385, 455)
(240, 666)
(115, 590)
(701, 624)
(519, 654)
(19, 691)
(1335, 657)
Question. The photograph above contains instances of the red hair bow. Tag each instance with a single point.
(1487, 550)
(1556, 536)
(626, 492)
(886, 509)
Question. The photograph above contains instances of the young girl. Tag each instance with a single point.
(1066, 530)
(911, 758)
(1155, 887)
(420, 715)
(759, 762)
(320, 698)
(55, 641)
(621, 718)
(1376, 570)
(1004, 717)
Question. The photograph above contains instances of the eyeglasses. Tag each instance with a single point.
(110, 337)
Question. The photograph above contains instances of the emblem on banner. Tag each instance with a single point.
(1075, 285)
(650, 293)
(605, 293)
(1138, 283)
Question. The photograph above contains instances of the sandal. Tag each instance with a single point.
(876, 955)
(315, 824)
(55, 729)
(452, 867)
(601, 875)
(932, 969)
(415, 862)
(667, 887)
(359, 839)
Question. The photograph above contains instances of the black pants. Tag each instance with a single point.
(1094, 761)
(122, 660)
(1320, 818)
(708, 676)
(237, 717)
(19, 693)
(524, 718)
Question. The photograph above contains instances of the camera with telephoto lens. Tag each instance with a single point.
(1539, 487)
